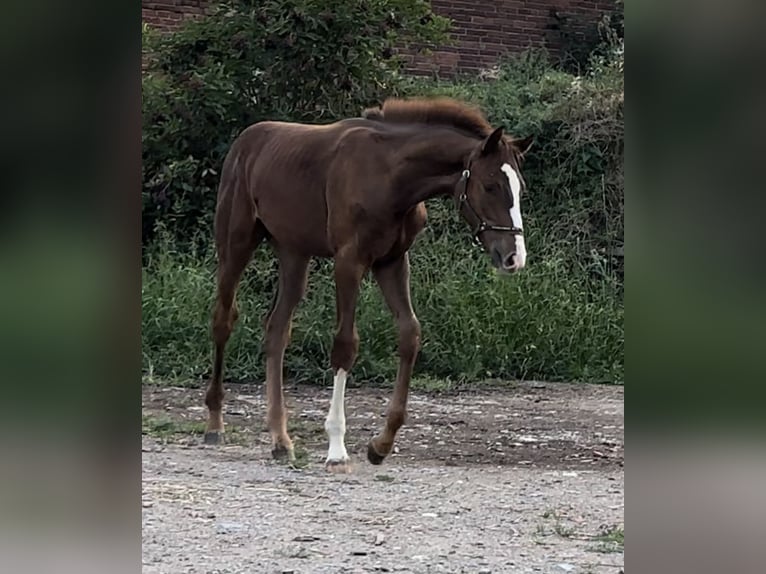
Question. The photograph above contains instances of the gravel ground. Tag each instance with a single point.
(526, 478)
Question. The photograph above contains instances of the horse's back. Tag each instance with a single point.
(301, 153)
(314, 187)
(285, 170)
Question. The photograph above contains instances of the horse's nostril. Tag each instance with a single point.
(497, 258)
(510, 261)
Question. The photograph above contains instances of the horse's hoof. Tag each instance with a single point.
(338, 466)
(373, 456)
(214, 437)
(281, 452)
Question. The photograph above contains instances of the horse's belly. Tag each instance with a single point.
(296, 222)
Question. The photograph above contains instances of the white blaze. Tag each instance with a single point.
(513, 179)
(335, 423)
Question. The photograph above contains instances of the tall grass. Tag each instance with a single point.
(553, 321)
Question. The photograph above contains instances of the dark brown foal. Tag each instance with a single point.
(355, 191)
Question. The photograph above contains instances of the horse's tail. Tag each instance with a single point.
(236, 212)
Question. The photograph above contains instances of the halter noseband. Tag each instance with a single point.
(482, 225)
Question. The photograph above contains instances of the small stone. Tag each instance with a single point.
(305, 538)
(379, 539)
(527, 439)
(227, 527)
(565, 567)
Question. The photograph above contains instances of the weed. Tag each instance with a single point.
(165, 427)
(562, 530)
(610, 539)
(431, 384)
(170, 429)
(302, 458)
(384, 478)
(559, 528)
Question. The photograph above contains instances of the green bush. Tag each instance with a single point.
(300, 60)
(575, 173)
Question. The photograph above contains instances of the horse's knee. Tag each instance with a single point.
(409, 338)
(223, 322)
(344, 350)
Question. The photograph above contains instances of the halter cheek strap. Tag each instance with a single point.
(481, 225)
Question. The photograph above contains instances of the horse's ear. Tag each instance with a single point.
(490, 144)
(524, 144)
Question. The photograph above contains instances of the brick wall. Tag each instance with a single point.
(168, 14)
(482, 30)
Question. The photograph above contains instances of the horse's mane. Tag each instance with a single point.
(436, 111)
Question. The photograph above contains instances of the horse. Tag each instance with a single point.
(354, 191)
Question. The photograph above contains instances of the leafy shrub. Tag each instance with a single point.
(300, 60)
(575, 172)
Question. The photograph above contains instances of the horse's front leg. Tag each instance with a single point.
(394, 282)
(293, 273)
(348, 276)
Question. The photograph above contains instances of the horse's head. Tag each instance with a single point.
(489, 199)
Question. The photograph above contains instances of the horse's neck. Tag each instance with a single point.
(432, 166)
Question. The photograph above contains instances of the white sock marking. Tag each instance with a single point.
(521, 248)
(335, 423)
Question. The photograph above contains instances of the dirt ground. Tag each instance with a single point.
(523, 478)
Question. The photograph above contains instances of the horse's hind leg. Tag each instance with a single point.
(293, 274)
(234, 252)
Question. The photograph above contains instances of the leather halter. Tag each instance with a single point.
(482, 225)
